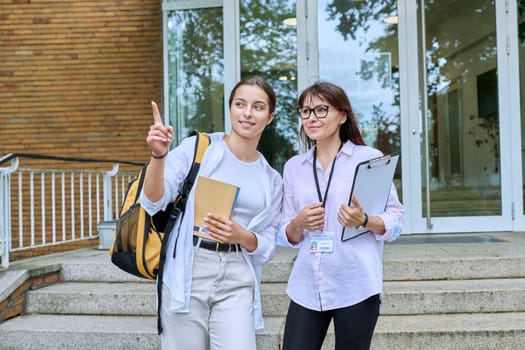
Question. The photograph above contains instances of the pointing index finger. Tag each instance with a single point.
(156, 114)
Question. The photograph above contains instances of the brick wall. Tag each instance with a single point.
(77, 77)
(15, 304)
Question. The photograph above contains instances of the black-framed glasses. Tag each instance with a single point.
(320, 111)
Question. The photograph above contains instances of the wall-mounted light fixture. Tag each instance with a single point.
(290, 21)
(391, 20)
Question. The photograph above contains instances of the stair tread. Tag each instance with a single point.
(90, 288)
(469, 322)
(438, 323)
(402, 260)
(438, 286)
(81, 323)
(428, 286)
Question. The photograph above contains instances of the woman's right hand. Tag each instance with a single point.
(159, 136)
(310, 218)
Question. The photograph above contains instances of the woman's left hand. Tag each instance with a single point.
(351, 216)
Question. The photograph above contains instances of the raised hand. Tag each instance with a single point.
(159, 136)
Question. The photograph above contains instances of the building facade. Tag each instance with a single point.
(77, 77)
(440, 82)
(76, 80)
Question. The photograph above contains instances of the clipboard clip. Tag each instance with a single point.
(384, 160)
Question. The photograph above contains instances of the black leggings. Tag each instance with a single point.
(354, 325)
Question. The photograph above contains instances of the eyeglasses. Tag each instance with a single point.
(320, 111)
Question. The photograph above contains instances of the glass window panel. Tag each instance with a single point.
(195, 71)
(462, 107)
(364, 35)
(268, 42)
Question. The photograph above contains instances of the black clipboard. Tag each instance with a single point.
(372, 182)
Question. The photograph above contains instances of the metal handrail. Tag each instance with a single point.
(64, 204)
(11, 156)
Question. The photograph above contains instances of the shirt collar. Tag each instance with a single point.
(348, 148)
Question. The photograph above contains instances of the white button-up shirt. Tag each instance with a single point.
(352, 272)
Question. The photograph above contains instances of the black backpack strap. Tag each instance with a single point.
(201, 143)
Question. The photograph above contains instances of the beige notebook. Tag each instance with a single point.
(212, 196)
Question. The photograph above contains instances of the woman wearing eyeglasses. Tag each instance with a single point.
(331, 279)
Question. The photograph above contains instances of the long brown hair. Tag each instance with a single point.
(336, 97)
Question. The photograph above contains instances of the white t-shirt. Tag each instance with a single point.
(249, 178)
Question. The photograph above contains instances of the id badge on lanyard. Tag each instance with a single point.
(322, 243)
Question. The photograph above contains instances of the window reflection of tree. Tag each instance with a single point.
(269, 48)
(354, 19)
(461, 43)
(196, 69)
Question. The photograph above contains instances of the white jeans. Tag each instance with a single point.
(221, 306)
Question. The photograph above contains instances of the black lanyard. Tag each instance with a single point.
(323, 199)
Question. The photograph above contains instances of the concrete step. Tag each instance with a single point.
(427, 297)
(502, 331)
(95, 332)
(449, 257)
(422, 332)
(88, 298)
(94, 265)
(125, 298)
(399, 298)
(454, 296)
(402, 262)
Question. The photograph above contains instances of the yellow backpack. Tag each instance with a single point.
(139, 243)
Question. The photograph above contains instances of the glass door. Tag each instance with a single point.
(428, 80)
(210, 45)
(460, 133)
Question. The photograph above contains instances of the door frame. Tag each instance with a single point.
(512, 100)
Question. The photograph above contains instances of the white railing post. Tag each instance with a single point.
(108, 193)
(5, 211)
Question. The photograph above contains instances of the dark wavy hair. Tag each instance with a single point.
(260, 82)
(336, 97)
